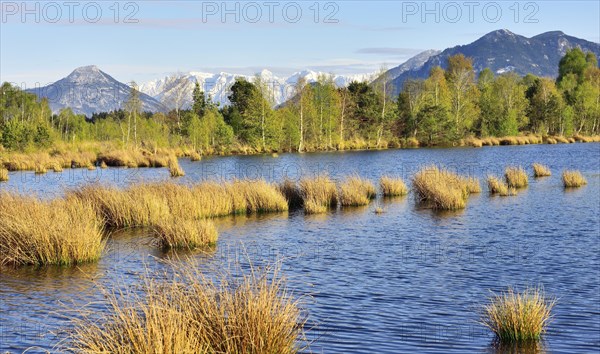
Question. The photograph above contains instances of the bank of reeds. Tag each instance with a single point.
(440, 189)
(517, 317)
(177, 232)
(58, 232)
(392, 186)
(251, 312)
(318, 194)
(540, 170)
(3, 174)
(499, 187)
(147, 204)
(356, 191)
(516, 177)
(573, 179)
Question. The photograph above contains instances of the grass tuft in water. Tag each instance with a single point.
(356, 191)
(516, 177)
(440, 189)
(319, 194)
(392, 186)
(573, 179)
(516, 317)
(182, 233)
(58, 232)
(540, 170)
(236, 312)
(3, 175)
(499, 187)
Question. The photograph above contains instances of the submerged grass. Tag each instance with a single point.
(516, 177)
(499, 187)
(318, 194)
(59, 232)
(392, 186)
(356, 191)
(251, 312)
(540, 170)
(573, 179)
(516, 317)
(440, 189)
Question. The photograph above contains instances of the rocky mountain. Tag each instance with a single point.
(89, 90)
(176, 90)
(503, 51)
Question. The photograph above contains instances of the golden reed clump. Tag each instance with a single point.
(441, 189)
(516, 177)
(356, 191)
(540, 170)
(517, 317)
(58, 232)
(236, 312)
(3, 174)
(318, 194)
(392, 186)
(499, 187)
(573, 179)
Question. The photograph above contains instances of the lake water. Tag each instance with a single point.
(405, 281)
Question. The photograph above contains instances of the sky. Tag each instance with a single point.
(41, 42)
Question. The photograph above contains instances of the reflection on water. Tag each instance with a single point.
(409, 280)
(528, 347)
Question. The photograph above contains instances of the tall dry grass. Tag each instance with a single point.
(252, 312)
(540, 170)
(3, 174)
(497, 186)
(440, 189)
(178, 232)
(174, 169)
(59, 232)
(318, 194)
(392, 186)
(573, 179)
(356, 191)
(516, 177)
(516, 317)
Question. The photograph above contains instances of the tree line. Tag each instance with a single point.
(449, 105)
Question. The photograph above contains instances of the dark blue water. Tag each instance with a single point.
(408, 280)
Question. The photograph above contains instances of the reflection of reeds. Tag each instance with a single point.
(355, 191)
(38, 232)
(441, 189)
(252, 312)
(573, 179)
(516, 177)
(319, 194)
(392, 186)
(516, 317)
(540, 170)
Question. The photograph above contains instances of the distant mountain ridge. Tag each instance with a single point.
(217, 86)
(504, 51)
(89, 90)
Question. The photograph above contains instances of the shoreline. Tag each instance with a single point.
(103, 155)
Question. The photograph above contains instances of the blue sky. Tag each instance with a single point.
(144, 40)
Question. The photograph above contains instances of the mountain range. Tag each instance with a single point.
(88, 90)
(504, 51)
